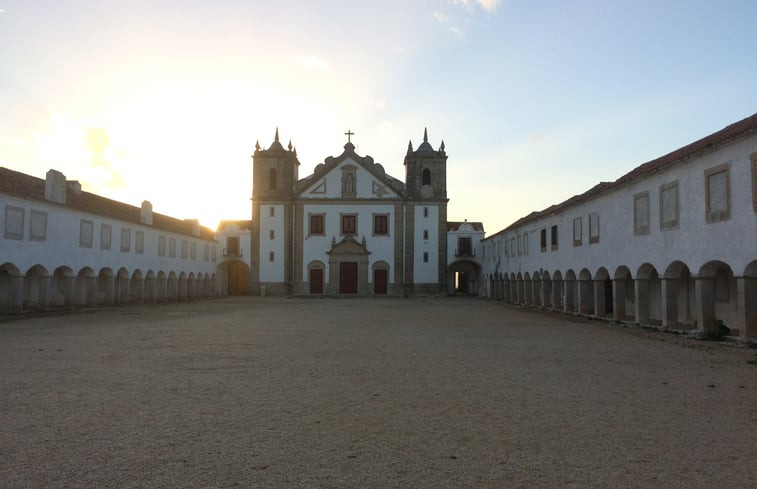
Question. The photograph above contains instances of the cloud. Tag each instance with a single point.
(440, 17)
(312, 62)
(488, 5)
(536, 138)
(379, 104)
(457, 32)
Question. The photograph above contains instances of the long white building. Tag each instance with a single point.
(61, 246)
(672, 243)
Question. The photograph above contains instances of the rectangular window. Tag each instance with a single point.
(349, 224)
(213, 254)
(594, 227)
(161, 246)
(518, 241)
(273, 211)
(172, 247)
(425, 234)
(85, 233)
(206, 252)
(193, 251)
(425, 212)
(125, 240)
(270, 256)
(717, 193)
(641, 213)
(553, 237)
(543, 240)
(425, 257)
(381, 224)
(139, 242)
(184, 249)
(316, 225)
(669, 206)
(106, 235)
(14, 223)
(38, 226)
(577, 231)
(232, 246)
(464, 247)
(525, 244)
(271, 234)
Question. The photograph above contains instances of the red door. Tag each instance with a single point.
(316, 281)
(238, 275)
(348, 277)
(380, 280)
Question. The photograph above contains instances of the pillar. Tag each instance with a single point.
(746, 295)
(546, 293)
(569, 294)
(641, 288)
(669, 304)
(704, 291)
(619, 298)
(599, 298)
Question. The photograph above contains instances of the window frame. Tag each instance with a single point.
(593, 238)
(722, 215)
(639, 228)
(35, 216)
(106, 236)
(669, 224)
(14, 234)
(125, 245)
(554, 240)
(314, 218)
(377, 231)
(345, 217)
(578, 231)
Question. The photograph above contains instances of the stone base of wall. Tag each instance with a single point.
(270, 288)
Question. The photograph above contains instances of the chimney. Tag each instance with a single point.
(55, 187)
(74, 185)
(195, 226)
(145, 213)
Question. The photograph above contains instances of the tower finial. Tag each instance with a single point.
(425, 135)
(441, 148)
(290, 145)
(410, 146)
(276, 138)
(257, 145)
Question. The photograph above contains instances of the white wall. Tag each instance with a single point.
(424, 273)
(334, 184)
(380, 247)
(271, 271)
(694, 242)
(61, 245)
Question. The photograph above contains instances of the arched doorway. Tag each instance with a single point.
(463, 277)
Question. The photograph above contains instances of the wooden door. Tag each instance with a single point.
(380, 281)
(348, 277)
(238, 277)
(316, 280)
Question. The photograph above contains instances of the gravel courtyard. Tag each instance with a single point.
(368, 393)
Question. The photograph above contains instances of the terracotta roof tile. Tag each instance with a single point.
(25, 186)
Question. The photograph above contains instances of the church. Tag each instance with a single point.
(349, 227)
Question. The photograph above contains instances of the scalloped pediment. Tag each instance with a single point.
(348, 246)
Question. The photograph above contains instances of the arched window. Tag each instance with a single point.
(426, 176)
(272, 179)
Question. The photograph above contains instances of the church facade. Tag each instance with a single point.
(349, 227)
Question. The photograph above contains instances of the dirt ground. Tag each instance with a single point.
(369, 393)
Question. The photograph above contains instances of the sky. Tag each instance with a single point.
(535, 101)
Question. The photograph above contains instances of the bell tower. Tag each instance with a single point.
(426, 218)
(274, 175)
(426, 171)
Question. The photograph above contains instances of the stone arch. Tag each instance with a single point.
(162, 286)
(569, 291)
(603, 293)
(513, 288)
(528, 296)
(11, 289)
(717, 296)
(37, 287)
(503, 287)
(585, 289)
(62, 287)
(558, 291)
(519, 292)
(648, 291)
(426, 177)
(213, 285)
(137, 286)
(191, 286)
(172, 287)
(84, 287)
(678, 296)
(104, 286)
(150, 293)
(121, 287)
(624, 294)
(182, 289)
(546, 289)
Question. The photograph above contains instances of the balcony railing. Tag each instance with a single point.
(471, 253)
(233, 253)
